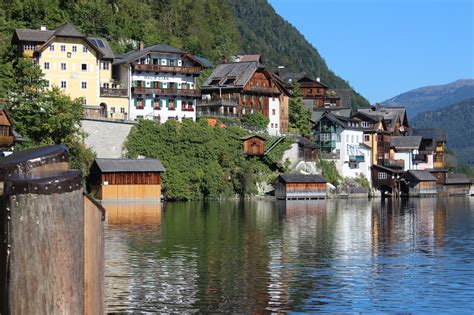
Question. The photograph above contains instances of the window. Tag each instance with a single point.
(347, 138)
(29, 47)
(357, 139)
(105, 65)
(353, 165)
(83, 101)
(83, 66)
(156, 103)
(366, 138)
(74, 48)
(310, 91)
(271, 125)
(63, 66)
(47, 83)
(46, 66)
(338, 137)
(112, 110)
(122, 110)
(276, 125)
(140, 103)
(84, 49)
(352, 138)
(63, 84)
(51, 48)
(105, 85)
(63, 48)
(382, 175)
(325, 137)
(273, 112)
(84, 85)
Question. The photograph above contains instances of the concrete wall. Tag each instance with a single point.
(106, 137)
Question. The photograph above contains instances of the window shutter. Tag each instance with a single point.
(135, 102)
(167, 103)
(189, 86)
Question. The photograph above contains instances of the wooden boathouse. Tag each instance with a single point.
(253, 145)
(126, 178)
(419, 183)
(457, 184)
(299, 186)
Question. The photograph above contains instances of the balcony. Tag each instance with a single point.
(329, 156)
(172, 69)
(217, 101)
(327, 143)
(394, 163)
(172, 92)
(113, 92)
(216, 114)
(28, 53)
(187, 109)
(356, 158)
(263, 89)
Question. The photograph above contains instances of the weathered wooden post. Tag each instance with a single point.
(51, 237)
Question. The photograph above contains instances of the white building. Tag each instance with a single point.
(405, 149)
(162, 82)
(341, 140)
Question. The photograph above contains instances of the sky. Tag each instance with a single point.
(387, 47)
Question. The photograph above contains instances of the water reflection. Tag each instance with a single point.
(325, 255)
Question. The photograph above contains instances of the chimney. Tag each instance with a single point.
(318, 79)
(141, 45)
(43, 28)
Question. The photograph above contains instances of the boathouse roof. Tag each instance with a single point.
(129, 165)
(422, 176)
(301, 178)
(457, 178)
(406, 143)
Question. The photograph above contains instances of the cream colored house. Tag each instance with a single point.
(81, 66)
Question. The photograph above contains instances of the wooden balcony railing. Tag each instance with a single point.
(113, 92)
(263, 89)
(172, 69)
(177, 92)
(394, 163)
(219, 102)
(329, 156)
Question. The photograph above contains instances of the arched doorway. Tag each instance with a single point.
(103, 110)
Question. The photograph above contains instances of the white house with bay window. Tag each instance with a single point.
(162, 82)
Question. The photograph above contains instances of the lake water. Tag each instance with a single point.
(328, 256)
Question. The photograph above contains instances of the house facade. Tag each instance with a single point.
(81, 66)
(162, 82)
(238, 88)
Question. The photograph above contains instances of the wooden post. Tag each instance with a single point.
(45, 237)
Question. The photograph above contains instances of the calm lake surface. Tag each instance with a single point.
(329, 256)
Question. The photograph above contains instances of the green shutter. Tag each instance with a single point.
(189, 86)
(167, 103)
(135, 102)
(161, 85)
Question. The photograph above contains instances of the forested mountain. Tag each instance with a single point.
(457, 119)
(210, 28)
(263, 31)
(430, 98)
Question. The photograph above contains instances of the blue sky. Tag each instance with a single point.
(386, 47)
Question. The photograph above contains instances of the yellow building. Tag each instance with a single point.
(80, 66)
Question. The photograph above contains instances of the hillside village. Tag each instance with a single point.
(162, 83)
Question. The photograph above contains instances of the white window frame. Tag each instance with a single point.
(65, 84)
(82, 85)
(74, 48)
(63, 48)
(46, 65)
(61, 66)
(87, 67)
(105, 65)
(51, 47)
(84, 49)
(382, 175)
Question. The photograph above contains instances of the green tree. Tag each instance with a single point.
(255, 121)
(329, 171)
(299, 115)
(46, 117)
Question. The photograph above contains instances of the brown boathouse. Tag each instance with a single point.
(299, 186)
(419, 183)
(254, 145)
(126, 178)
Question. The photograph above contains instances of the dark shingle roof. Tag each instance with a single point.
(300, 178)
(28, 35)
(103, 46)
(204, 61)
(406, 143)
(129, 165)
(238, 72)
(68, 30)
(436, 134)
(422, 175)
(457, 178)
(252, 136)
(136, 54)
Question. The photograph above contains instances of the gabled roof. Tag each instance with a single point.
(436, 134)
(300, 178)
(239, 73)
(306, 143)
(422, 176)
(158, 48)
(342, 121)
(28, 35)
(249, 58)
(129, 165)
(406, 143)
(204, 61)
(301, 77)
(68, 30)
(457, 178)
(389, 114)
(316, 114)
(252, 136)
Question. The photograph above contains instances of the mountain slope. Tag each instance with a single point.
(433, 97)
(458, 120)
(263, 31)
